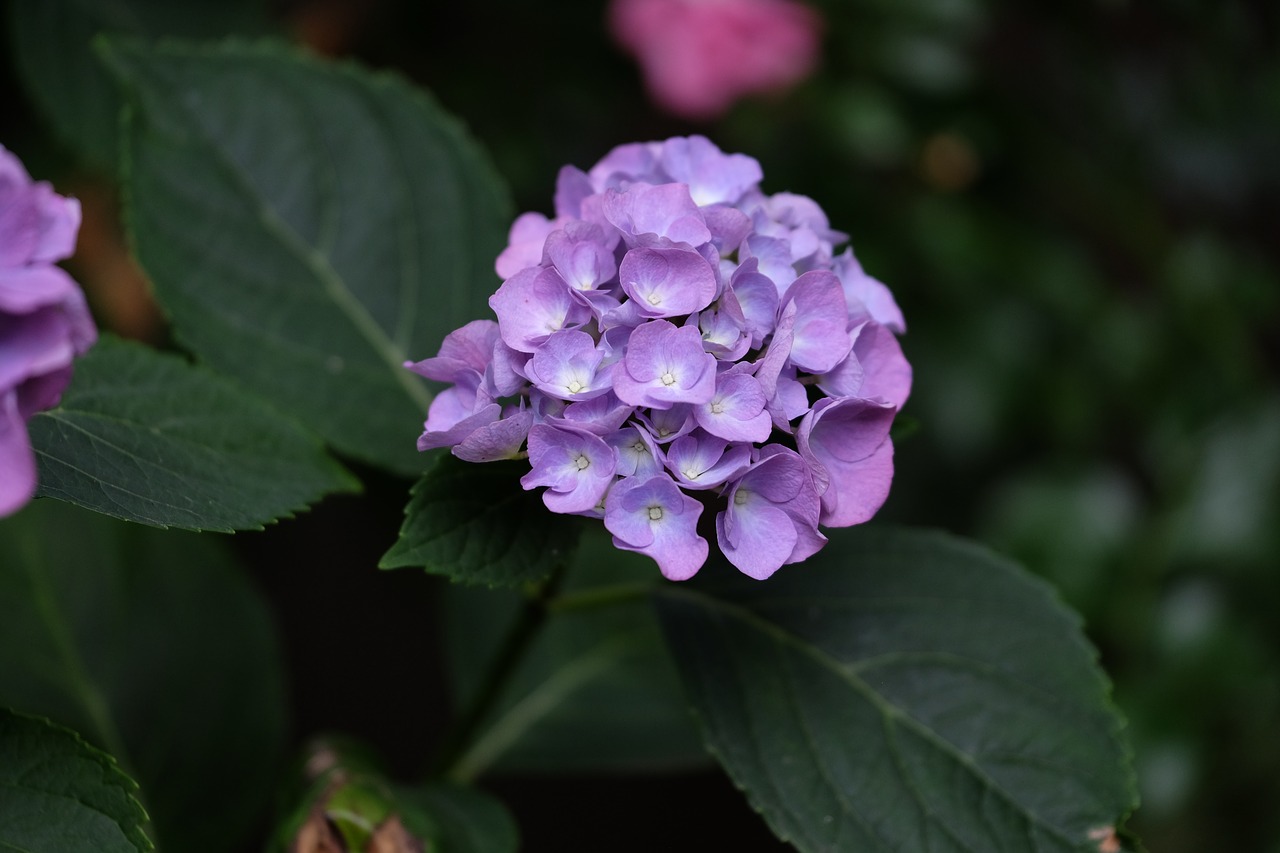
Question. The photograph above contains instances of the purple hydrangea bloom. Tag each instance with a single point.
(655, 518)
(44, 321)
(675, 339)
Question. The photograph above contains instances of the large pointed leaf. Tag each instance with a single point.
(60, 795)
(473, 523)
(151, 645)
(904, 691)
(50, 42)
(308, 227)
(595, 691)
(150, 438)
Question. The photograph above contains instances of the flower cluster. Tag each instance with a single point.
(675, 332)
(44, 322)
(699, 56)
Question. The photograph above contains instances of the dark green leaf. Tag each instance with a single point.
(152, 645)
(60, 795)
(308, 227)
(460, 820)
(150, 438)
(51, 47)
(348, 801)
(596, 690)
(904, 691)
(475, 524)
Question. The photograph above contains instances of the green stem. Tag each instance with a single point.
(533, 615)
(600, 596)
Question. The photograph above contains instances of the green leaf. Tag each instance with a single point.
(349, 804)
(473, 523)
(151, 438)
(308, 227)
(596, 690)
(904, 691)
(60, 795)
(460, 820)
(154, 647)
(51, 39)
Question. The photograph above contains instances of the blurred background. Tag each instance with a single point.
(1077, 206)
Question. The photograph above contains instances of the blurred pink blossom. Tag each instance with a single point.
(699, 56)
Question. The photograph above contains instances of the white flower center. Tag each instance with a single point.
(654, 299)
(691, 474)
(717, 407)
(740, 497)
(582, 462)
(575, 386)
(655, 513)
(668, 378)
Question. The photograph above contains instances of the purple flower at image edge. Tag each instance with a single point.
(674, 340)
(44, 320)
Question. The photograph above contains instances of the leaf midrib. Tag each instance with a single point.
(311, 258)
(83, 690)
(888, 710)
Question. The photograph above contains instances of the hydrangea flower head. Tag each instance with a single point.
(675, 340)
(44, 321)
(699, 56)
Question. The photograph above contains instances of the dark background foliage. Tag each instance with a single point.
(1076, 205)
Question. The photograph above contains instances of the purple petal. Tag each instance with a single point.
(756, 536)
(601, 415)
(666, 425)
(25, 289)
(59, 225)
(887, 372)
(758, 297)
(505, 373)
(776, 499)
(665, 365)
(667, 282)
(17, 460)
(575, 466)
(700, 461)
(728, 227)
(636, 452)
(626, 164)
(789, 401)
(524, 244)
(866, 295)
(655, 518)
(565, 366)
(774, 258)
(846, 444)
(532, 305)
(442, 431)
(712, 176)
(821, 332)
(736, 409)
(724, 328)
(500, 439)
(572, 188)
(582, 255)
(34, 344)
(463, 352)
(650, 215)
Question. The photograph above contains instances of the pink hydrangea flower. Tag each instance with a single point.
(699, 56)
(44, 321)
